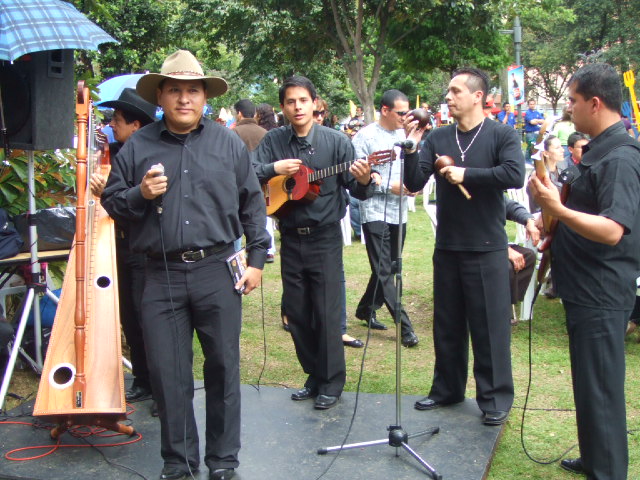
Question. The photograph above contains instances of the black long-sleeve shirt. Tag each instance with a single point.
(493, 163)
(213, 195)
(516, 212)
(323, 147)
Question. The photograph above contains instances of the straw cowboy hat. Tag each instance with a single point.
(130, 101)
(181, 65)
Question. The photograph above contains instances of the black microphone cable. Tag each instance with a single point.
(366, 344)
(526, 400)
(175, 334)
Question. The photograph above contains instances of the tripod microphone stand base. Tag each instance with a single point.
(398, 438)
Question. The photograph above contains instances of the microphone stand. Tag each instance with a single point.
(397, 437)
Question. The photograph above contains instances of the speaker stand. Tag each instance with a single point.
(36, 287)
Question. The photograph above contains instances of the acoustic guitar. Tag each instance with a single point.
(304, 185)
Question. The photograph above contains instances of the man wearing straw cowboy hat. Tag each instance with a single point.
(188, 190)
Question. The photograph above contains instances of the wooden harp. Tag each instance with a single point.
(82, 381)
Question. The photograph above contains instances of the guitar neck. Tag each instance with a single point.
(330, 171)
(376, 158)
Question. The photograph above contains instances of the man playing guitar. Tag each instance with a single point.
(596, 259)
(311, 237)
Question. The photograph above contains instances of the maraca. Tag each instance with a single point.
(422, 116)
(446, 161)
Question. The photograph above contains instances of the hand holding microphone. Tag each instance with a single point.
(154, 184)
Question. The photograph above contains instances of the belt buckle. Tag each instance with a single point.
(190, 256)
(303, 230)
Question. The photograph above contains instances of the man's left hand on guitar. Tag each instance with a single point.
(546, 195)
(361, 170)
(288, 166)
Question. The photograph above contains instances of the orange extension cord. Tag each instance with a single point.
(77, 432)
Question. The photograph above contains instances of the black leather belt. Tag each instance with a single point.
(307, 230)
(190, 256)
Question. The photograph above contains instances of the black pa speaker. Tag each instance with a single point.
(38, 100)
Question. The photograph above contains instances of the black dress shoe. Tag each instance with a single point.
(373, 322)
(304, 394)
(495, 417)
(137, 393)
(572, 465)
(222, 474)
(173, 473)
(409, 339)
(428, 404)
(355, 343)
(324, 402)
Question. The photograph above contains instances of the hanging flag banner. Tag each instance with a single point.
(516, 84)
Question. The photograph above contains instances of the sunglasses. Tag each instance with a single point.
(317, 113)
(401, 114)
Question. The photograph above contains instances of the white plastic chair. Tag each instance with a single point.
(345, 226)
(521, 196)
(429, 207)
(411, 203)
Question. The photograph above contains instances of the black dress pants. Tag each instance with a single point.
(200, 296)
(131, 268)
(311, 271)
(596, 346)
(471, 296)
(382, 250)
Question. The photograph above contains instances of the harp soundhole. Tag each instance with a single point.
(61, 376)
(103, 282)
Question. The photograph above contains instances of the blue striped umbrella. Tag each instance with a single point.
(34, 25)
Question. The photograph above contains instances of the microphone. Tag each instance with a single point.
(158, 200)
(406, 144)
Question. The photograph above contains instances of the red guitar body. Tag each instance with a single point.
(283, 188)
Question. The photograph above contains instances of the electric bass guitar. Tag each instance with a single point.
(304, 185)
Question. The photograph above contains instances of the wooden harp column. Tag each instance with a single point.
(82, 381)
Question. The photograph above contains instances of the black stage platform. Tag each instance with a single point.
(279, 441)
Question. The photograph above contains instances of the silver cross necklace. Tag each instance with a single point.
(462, 152)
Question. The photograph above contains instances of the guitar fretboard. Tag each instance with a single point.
(329, 171)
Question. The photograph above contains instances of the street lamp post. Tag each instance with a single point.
(517, 45)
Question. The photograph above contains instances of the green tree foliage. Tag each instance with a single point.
(277, 38)
(607, 26)
(141, 26)
(548, 56)
(452, 34)
(54, 174)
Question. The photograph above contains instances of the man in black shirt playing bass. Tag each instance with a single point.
(596, 260)
(187, 188)
(311, 237)
(471, 294)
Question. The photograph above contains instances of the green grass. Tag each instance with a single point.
(550, 424)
